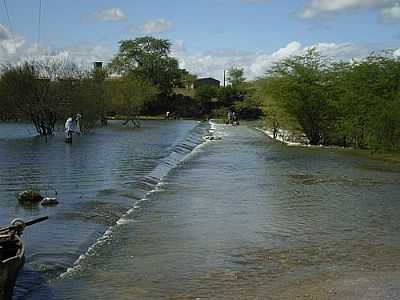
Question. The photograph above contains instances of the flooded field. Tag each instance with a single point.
(156, 213)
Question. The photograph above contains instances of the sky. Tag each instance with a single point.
(208, 36)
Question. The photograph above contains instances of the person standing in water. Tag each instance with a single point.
(229, 120)
(72, 126)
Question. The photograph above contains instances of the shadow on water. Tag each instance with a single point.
(32, 284)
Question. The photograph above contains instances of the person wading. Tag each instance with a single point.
(71, 127)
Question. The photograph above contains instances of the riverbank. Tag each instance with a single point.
(296, 139)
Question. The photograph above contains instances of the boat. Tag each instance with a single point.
(12, 254)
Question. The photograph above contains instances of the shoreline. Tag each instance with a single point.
(288, 140)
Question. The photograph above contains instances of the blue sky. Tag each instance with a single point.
(208, 35)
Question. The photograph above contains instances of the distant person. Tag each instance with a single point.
(72, 126)
(229, 121)
(167, 115)
(235, 120)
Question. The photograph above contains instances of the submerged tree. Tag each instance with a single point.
(130, 95)
(40, 91)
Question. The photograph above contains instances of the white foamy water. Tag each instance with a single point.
(155, 181)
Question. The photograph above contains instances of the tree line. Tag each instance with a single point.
(353, 103)
(47, 91)
(331, 102)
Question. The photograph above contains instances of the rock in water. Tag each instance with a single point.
(29, 197)
(49, 201)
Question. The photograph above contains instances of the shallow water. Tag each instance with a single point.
(237, 218)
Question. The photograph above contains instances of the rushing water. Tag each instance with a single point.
(155, 214)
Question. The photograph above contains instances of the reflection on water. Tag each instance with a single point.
(96, 179)
(245, 217)
(239, 218)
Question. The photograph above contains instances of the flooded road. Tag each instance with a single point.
(157, 214)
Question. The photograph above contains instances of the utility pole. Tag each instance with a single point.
(224, 77)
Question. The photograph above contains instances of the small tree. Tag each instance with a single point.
(37, 90)
(236, 77)
(205, 96)
(130, 95)
(300, 84)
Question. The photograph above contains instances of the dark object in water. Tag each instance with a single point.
(12, 255)
(211, 138)
(11, 260)
(29, 197)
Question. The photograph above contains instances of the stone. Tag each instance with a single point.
(49, 201)
(29, 197)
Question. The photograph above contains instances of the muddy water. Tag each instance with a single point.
(238, 218)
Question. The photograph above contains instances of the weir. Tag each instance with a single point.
(232, 218)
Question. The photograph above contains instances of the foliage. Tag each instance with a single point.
(40, 91)
(300, 83)
(349, 104)
(236, 77)
(206, 96)
(149, 58)
(130, 95)
(275, 115)
(370, 102)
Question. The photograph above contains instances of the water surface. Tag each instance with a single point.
(237, 218)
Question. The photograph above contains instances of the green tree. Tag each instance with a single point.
(300, 84)
(130, 95)
(236, 77)
(206, 96)
(369, 102)
(275, 115)
(41, 91)
(149, 58)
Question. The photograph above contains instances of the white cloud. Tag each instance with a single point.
(151, 27)
(110, 15)
(16, 49)
(391, 14)
(315, 8)
(178, 47)
(255, 64)
(291, 49)
(204, 64)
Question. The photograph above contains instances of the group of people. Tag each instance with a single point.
(232, 118)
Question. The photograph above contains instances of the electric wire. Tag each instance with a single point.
(39, 21)
(8, 19)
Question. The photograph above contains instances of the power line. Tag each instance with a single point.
(8, 18)
(39, 20)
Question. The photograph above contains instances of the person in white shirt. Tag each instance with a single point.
(72, 126)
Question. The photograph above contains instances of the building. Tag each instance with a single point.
(206, 81)
(98, 65)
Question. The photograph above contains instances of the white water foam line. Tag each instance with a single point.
(294, 144)
(105, 238)
(280, 138)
